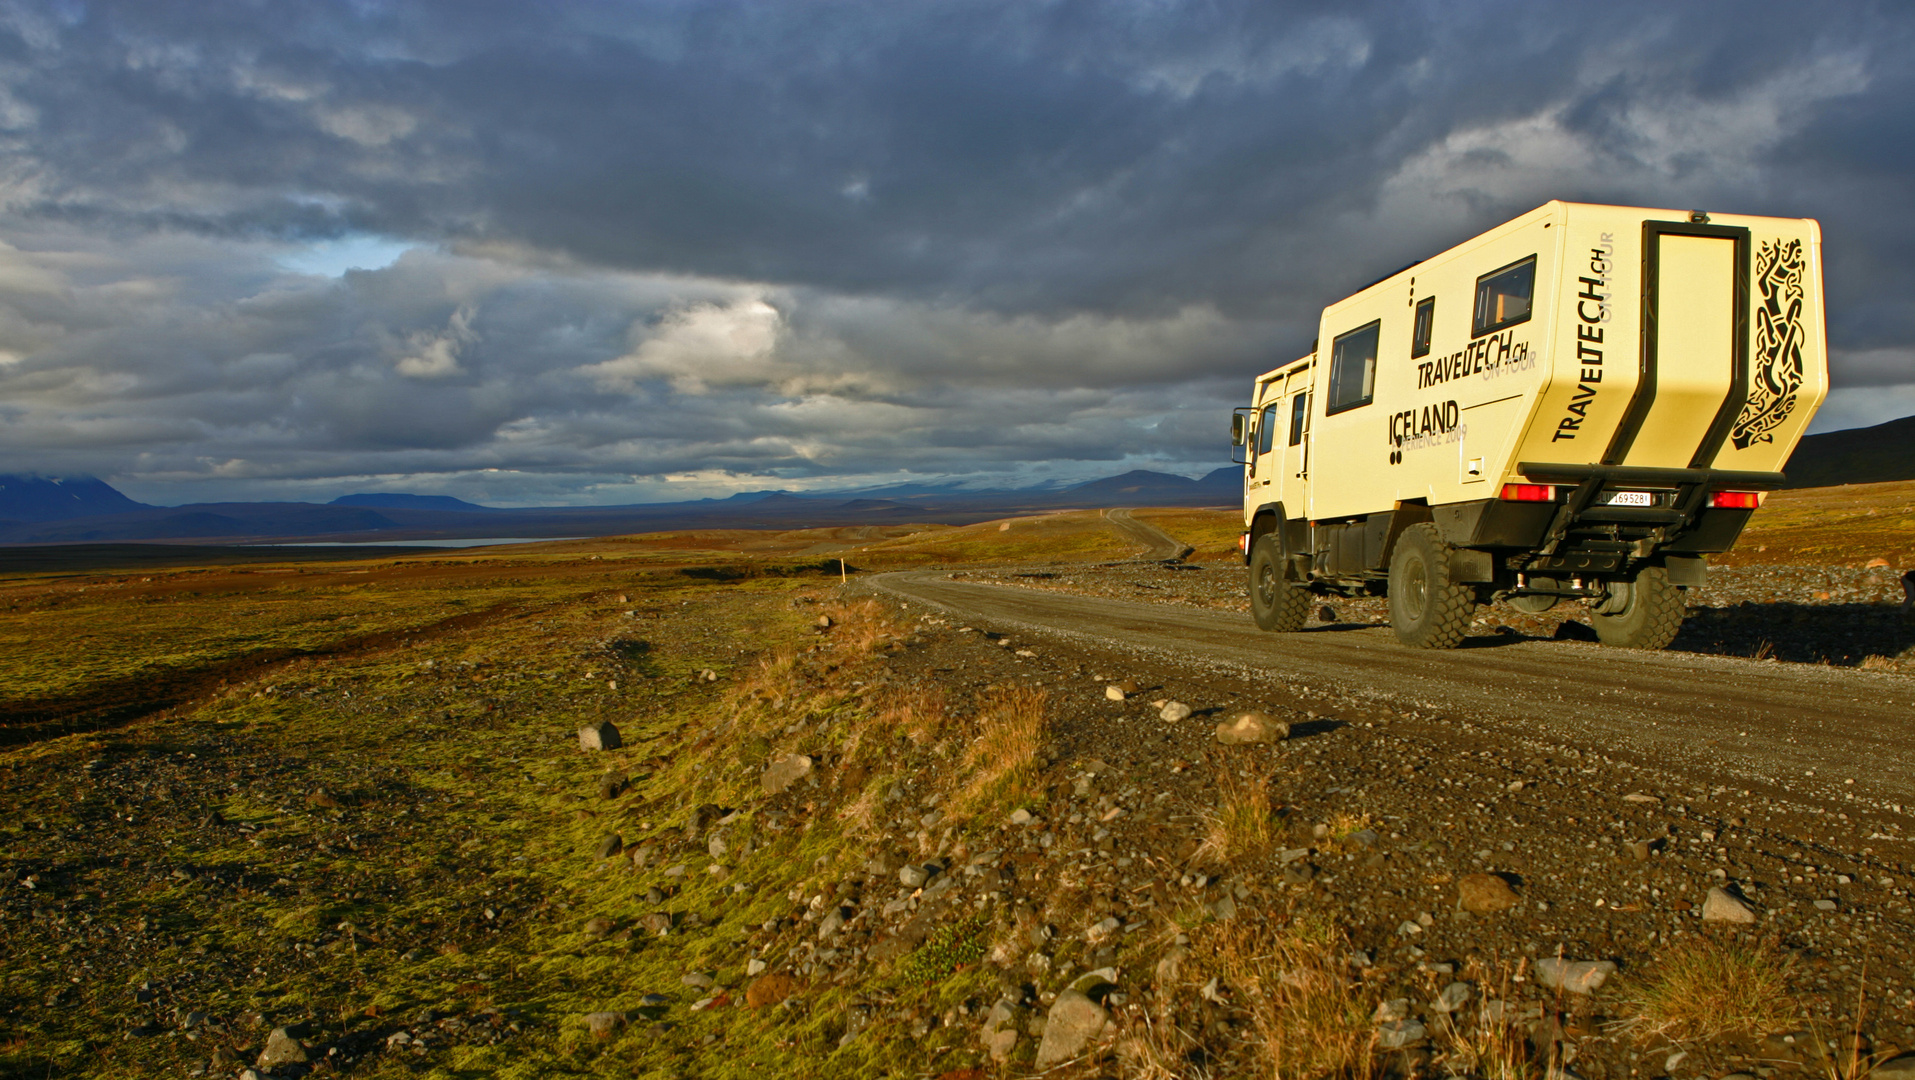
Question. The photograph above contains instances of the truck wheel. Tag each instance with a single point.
(1646, 614)
(1532, 603)
(1278, 603)
(1427, 609)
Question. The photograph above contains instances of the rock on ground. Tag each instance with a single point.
(1174, 711)
(1484, 894)
(785, 772)
(771, 990)
(1574, 976)
(602, 735)
(1721, 905)
(603, 1024)
(281, 1049)
(999, 1035)
(1252, 727)
(1074, 1020)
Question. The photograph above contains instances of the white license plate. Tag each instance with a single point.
(1630, 498)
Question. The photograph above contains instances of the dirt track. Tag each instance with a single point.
(1803, 729)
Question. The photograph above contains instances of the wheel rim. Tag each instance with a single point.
(1416, 588)
(1267, 585)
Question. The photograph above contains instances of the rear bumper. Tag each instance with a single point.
(1578, 534)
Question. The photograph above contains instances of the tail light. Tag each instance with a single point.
(1735, 500)
(1529, 492)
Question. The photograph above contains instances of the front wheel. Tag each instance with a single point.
(1276, 602)
(1642, 614)
(1427, 609)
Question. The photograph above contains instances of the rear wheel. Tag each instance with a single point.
(1642, 614)
(1277, 603)
(1532, 603)
(1427, 609)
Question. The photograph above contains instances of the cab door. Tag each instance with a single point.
(1295, 435)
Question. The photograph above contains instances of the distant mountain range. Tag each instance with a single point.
(40, 510)
(81, 509)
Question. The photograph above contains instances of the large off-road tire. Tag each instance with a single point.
(1533, 603)
(1276, 602)
(1427, 609)
(1644, 614)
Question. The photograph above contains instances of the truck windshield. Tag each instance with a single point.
(1353, 369)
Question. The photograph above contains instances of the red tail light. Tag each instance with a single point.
(1529, 492)
(1736, 500)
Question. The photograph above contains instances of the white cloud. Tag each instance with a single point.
(436, 355)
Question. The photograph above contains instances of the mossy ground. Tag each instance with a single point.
(402, 837)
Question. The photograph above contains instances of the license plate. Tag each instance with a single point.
(1630, 498)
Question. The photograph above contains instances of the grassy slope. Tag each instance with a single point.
(353, 842)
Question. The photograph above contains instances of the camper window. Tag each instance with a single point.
(1420, 334)
(1299, 408)
(1502, 297)
(1353, 369)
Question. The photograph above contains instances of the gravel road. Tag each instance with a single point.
(1827, 735)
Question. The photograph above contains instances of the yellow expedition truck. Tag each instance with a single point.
(1581, 404)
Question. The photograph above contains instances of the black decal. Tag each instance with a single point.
(1776, 376)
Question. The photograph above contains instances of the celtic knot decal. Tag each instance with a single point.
(1776, 376)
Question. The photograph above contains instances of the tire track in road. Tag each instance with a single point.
(1158, 544)
(1809, 729)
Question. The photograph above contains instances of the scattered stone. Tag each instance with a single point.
(1453, 997)
(1639, 850)
(831, 924)
(1639, 797)
(612, 785)
(1826, 905)
(657, 922)
(999, 1034)
(1484, 894)
(1391, 1009)
(1364, 838)
(599, 926)
(1170, 966)
(1573, 976)
(1252, 727)
(602, 735)
(1173, 711)
(610, 846)
(1397, 1034)
(755, 967)
(604, 1024)
(1721, 905)
(1299, 874)
(697, 980)
(1102, 931)
(1073, 1021)
(281, 1049)
(785, 772)
(824, 622)
(1896, 1068)
(1114, 692)
(913, 877)
(715, 845)
(770, 990)
(1225, 909)
(1021, 816)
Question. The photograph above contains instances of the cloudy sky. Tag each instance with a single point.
(619, 251)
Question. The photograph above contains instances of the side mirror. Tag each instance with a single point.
(1239, 428)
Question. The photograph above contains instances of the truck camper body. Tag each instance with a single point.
(1583, 403)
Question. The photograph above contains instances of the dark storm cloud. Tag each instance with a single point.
(797, 240)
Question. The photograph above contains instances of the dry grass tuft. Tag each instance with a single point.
(1004, 756)
(1480, 1040)
(920, 712)
(1311, 1015)
(1701, 988)
(1244, 824)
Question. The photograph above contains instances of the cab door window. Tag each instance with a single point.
(1267, 429)
(1299, 411)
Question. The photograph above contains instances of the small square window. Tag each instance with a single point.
(1353, 369)
(1503, 297)
(1299, 409)
(1425, 321)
